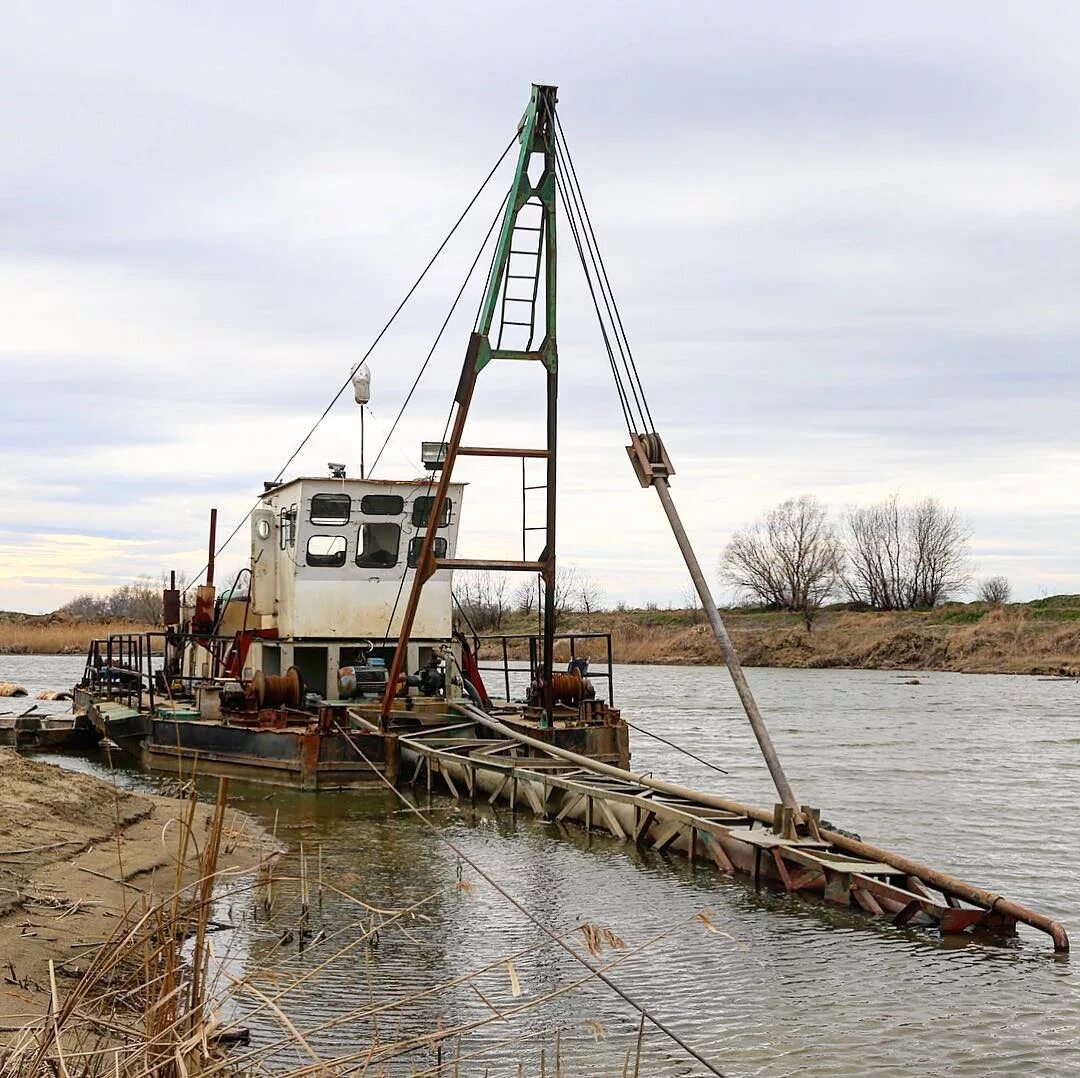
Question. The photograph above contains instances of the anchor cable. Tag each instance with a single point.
(677, 748)
(382, 332)
(526, 912)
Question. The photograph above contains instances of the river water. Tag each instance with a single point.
(978, 775)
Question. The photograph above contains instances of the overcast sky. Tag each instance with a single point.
(843, 238)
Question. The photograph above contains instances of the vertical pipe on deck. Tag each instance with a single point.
(213, 544)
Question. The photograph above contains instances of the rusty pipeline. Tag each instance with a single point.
(945, 883)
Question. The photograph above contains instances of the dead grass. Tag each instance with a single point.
(1002, 641)
(43, 637)
(154, 997)
(1019, 639)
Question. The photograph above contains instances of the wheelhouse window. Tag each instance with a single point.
(330, 508)
(382, 505)
(326, 551)
(287, 530)
(421, 511)
(377, 545)
(417, 544)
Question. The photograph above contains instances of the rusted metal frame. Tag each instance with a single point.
(657, 809)
(534, 801)
(912, 903)
(858, 850)
(643, 820)
(425, 566)
(781, 868)
(445, 772)
(510, 566)
(212, 552)
(669, 832)
(421, 761)
(613, 824)
(498, 451)
(866, 900)
(571, 803)
(950, 886)
(717, 852)
(904, 865)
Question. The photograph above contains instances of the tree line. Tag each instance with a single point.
(885, 556)
(483, 600)
(138, 602)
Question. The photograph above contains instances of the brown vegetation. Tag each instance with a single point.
(1024, 638)
(110, 971)
(51, 634)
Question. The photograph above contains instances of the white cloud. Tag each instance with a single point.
(843, 246)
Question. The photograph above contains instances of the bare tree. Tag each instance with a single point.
(692, 602)
(790, 560)
(996, 590)
(483, 599)
(903, 557)
(590, 596)
(875, 555)
(938, 542)
(138, 602)
(566, 591)
(525, 596)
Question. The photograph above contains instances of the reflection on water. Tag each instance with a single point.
(975, 774)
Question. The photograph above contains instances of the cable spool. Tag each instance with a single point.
(279, 690)
(571, 688)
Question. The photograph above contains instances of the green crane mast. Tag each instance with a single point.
(524, 265)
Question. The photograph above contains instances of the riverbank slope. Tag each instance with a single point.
(1040, 637)
(75, 852)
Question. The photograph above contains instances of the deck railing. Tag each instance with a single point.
(503, 645)
(121, 666)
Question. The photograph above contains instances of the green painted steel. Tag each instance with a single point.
(536, 136)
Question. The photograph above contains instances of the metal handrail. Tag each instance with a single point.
(534, 640)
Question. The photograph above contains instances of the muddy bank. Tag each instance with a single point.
(75, 852)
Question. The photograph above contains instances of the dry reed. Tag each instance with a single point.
(24, 637)
(156, 1001)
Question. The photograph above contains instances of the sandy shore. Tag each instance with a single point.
(74, 853)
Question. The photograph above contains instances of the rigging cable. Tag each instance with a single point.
(450, 414)
(525, 911)
(678, 748)
(581, 222)
(604, 279)
(326, 411)
(439, 335)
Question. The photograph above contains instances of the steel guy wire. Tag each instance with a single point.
(366, 356)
